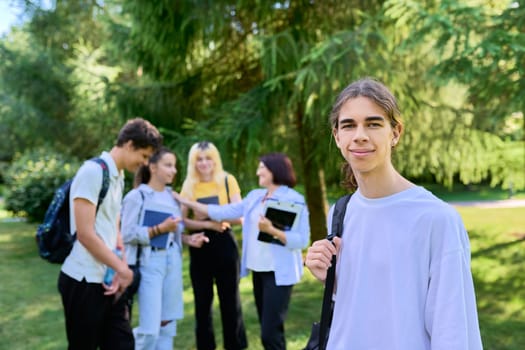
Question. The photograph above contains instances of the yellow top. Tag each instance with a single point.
(210, 189)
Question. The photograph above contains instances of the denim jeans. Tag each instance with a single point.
(160, 299)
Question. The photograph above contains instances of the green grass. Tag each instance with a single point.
(497, 239)
(31, 312)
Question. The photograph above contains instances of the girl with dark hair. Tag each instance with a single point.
(160, 241)
(276, 264)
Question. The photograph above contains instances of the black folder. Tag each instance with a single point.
(283, 216)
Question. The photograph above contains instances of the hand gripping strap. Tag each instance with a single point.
(337, 230)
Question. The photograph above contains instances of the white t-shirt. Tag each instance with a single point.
(259, 256)
(403, 277)
(87, 184)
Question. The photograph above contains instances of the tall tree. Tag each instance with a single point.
(300, 54)
(261, 73)
(256, 77)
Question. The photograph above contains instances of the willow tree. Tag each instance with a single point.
(256, 77)
(260, 77)
(481, 50)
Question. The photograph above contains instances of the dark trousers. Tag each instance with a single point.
(217, 262)
(272, 303)
(93, 320)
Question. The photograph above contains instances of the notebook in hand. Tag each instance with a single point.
(283, 215)
(154, 216)
(209, 200)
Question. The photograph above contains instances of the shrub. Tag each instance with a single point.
(32, 179)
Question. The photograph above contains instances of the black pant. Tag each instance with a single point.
(217, 261)
(272, 303)
(93, 320)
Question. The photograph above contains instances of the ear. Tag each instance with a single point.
(129, 145)
(152, 167)
(396, 131)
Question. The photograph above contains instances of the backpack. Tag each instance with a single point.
(53, 236)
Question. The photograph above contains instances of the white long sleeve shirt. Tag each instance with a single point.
(403, 277)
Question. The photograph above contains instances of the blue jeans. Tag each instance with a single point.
(160, 299)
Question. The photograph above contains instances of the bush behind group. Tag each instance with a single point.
(32, 179)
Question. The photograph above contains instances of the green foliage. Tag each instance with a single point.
(34, 91)
(251, 77)
(32, 179)
(255, 77)
(472, 108)
(58, 29)
(508, 166)
(481, 44)
(53, 84)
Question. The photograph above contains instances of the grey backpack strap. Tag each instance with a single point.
(139, 246)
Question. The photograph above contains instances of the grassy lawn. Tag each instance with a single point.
(31, 313)
(498, 264)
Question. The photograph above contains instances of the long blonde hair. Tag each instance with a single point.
(192, 175)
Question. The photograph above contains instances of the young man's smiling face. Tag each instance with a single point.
(364, 136)
(136, 157)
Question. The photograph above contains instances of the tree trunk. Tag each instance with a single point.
(316, 199)
(313, 178)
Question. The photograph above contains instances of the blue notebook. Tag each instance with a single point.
(152, 218)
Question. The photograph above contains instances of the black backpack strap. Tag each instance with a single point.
(105, 180)
(105, 184)
(338, 216)
(227, 187)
